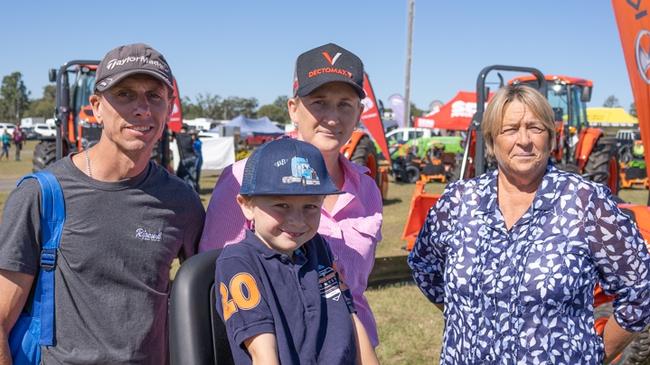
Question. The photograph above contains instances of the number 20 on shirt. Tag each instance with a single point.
(239, 298)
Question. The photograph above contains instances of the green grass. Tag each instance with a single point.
(14, 169)
(410, 327)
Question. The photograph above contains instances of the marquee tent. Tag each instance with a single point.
(251, 127)
(610, 117)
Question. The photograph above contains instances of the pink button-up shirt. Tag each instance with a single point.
(352, 229)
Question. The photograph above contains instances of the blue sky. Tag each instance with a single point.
(248, 48)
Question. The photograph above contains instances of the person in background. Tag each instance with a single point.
(6, 144)
(127, 219)
(512, 256)
(198, 151)
(296, 310)
(326, 108)
(19, 139)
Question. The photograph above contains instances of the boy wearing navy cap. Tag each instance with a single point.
(281, 298)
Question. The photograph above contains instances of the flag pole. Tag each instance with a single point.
(407, 77)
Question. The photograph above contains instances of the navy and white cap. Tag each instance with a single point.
(286, 166)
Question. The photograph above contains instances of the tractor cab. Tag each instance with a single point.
(579, 148)
(76, 127)
(568, 97)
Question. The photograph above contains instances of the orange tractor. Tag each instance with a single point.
(579, 149)
(76, 125)
(360, 149)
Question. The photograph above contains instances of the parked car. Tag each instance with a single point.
(403, 135)
(30, 134)
(8, 126)
(44, 130)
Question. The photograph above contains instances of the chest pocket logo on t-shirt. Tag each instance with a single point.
(244, 294)
(328, 283)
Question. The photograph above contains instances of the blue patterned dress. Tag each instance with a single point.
(525, 295)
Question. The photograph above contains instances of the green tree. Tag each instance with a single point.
(277, 112)
(611, 102)
(234, 106)
(43, 107)
(190, 109)
(274, 113)
(14, 97)
(633, 110)
(415, 111)
(210, 105)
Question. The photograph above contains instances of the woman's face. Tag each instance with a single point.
(521, 147)
(327, 117)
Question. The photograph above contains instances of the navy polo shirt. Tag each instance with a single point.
(301, 301)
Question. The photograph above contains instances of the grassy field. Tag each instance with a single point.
(410, 328)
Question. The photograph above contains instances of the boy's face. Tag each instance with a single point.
(283, 223)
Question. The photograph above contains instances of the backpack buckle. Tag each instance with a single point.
(48, 259)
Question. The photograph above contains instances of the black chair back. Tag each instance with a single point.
(196, 333)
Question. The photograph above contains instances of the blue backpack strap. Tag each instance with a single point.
(52, 219)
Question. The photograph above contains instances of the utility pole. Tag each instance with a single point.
(407, 77)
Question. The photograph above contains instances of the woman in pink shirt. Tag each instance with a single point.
(326, 108)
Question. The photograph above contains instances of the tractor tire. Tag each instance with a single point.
(597, 167)
(454, 174)
(412, 174)
(569, 167)
(364, 153)
(44, 155)
(638, 351)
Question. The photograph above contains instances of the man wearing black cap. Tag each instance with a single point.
(126, 220)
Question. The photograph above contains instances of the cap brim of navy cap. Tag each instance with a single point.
(307, 89)
(288, 193)
(121, 76)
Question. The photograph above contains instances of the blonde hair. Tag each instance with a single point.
(535, 102)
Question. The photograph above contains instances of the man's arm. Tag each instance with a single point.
(615, 339)
(14, 291)
(365, 352)
(263, 349)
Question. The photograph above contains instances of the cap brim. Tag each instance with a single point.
(307, 89)
(290, 193)
(121, 76)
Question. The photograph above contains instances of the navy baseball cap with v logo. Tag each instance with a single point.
(286, 166)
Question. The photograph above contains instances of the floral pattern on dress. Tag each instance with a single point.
(525, 295)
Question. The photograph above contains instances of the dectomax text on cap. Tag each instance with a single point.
(325, 64)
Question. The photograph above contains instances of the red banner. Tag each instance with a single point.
(634, 28)
(455, 115)
(176, 120)
(371, 118)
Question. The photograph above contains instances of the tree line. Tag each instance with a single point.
(15, 104)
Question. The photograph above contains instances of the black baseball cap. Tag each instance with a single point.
(286, 166)
(132, 59)
(324, 64)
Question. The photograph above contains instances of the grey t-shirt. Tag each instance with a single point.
(112, 275)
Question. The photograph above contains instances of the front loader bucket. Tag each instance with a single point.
(420, 205)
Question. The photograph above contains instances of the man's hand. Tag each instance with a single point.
(14, 291)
